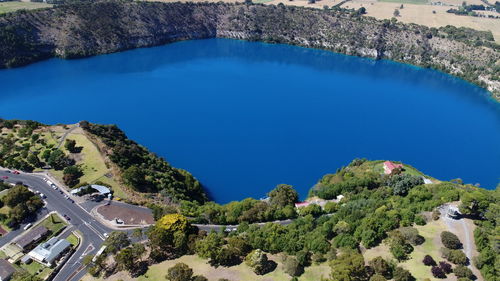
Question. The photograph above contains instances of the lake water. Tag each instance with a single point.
(244, 117)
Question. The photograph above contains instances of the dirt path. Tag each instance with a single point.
(464, 229)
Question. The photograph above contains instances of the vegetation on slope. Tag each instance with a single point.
(143, 170)
(89, 28)
(384, 211)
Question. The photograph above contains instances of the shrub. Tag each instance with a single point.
(446, 267)
(420, 220)
(450, 240)
(455, 256)
(179, 272)
(292, 267)
(463, 272)
(411, 235)
(401, 274)
(429, 261)
(381, 267)
(438, 272)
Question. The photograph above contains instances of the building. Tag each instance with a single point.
(102, 190)
(302, 204)
(453, 212)
(33, 236)
(6, 270)
(389, 167)
(48, 252)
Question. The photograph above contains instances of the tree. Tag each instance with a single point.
(116, 241)
(402, 183)
(349, 265)
(173, 223)
(210, 246)
(450, 240)
(258, 261)
(128, 258)
(17, 195)
(381, 267)
(463, 272)
(70, 145)
(292, 266)
(455, 256)
(71, 175)
(401, 274)
(411, 235)
(438, 272)
(283, 195)
(396, 13)
(428, 261)
(179, 272)
(446, 267)
(58, 160)
(474, 203)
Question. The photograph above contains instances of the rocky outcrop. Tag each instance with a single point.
(88, 29)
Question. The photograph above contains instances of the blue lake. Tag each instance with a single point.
(244, 116)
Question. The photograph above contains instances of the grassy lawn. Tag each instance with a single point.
(414, 264)
(6, 7)
(240, 272)
(73, 240)
(36, 269)
(431, 247)
(54, 223)
(421, 2)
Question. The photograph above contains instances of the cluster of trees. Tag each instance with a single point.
(143, 170)
(22, 203)
(279, 206)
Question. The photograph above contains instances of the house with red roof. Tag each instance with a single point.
(389, 167)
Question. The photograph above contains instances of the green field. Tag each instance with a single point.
(418, 2)
(73, 240)
(54, 223)
(6, 7)
(37, 269)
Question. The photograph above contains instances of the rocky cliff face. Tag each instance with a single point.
(103, 27)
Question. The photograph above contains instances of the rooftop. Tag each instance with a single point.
(49, 251)
(103, 190)
(32, 236)
(6, 270)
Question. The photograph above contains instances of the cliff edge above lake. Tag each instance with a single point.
(86, 29)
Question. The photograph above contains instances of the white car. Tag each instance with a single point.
(106, 235)
(27, 226)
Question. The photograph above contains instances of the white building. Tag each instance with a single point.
(47, 253)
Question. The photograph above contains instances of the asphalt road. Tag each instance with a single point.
(91, 230)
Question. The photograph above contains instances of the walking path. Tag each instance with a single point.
(464, 229)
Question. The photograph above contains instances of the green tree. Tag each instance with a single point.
(179, 272)
(450, 240)
(292, 266)
(283, 195)
(70, 145)
(116, 241)
(210, 246)
(258, 261)
(72, 175)
(348, 266)
(401, 274)
(129, 258)
(381, 267)
(58, 160)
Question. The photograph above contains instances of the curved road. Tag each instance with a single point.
(89, 228)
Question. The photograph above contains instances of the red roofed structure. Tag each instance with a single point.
(389, 167)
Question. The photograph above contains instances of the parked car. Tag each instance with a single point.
(16, 172)
(43, 196)
(5, 177)
(28, 226)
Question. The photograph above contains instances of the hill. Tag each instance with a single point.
(91, 28)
